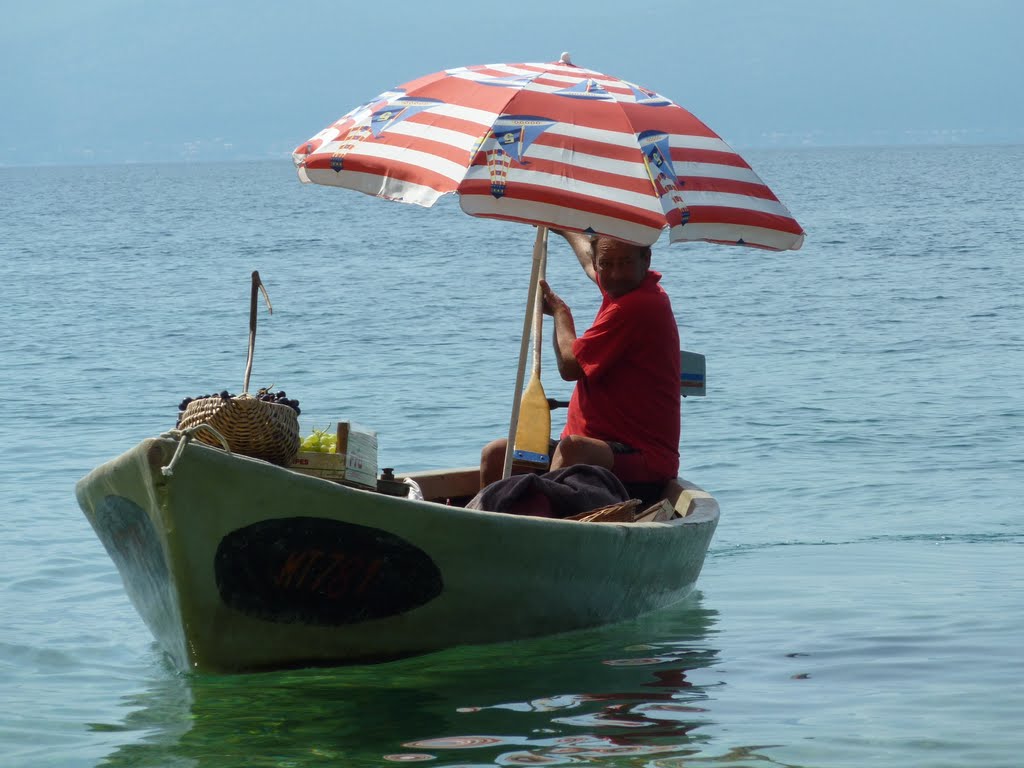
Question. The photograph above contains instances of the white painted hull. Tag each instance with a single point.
(236, 564)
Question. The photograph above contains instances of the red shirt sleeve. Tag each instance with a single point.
(605, 342)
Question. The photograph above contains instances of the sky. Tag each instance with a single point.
(115, 81)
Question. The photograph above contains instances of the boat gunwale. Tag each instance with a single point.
(701, 506)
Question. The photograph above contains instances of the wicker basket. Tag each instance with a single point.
(252, 427)
(614, 513)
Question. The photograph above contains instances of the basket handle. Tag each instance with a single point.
(257, 287)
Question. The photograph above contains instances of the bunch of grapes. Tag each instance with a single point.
(321, 441)
(280, 398)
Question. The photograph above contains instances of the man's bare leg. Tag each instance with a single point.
(576, 449)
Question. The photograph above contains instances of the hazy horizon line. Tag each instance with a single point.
(225, 156)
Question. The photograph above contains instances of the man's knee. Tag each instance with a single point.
(574, 449)
(493, 448)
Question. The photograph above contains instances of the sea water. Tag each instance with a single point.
(862, 600)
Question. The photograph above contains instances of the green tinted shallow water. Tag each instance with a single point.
(864, 432)
(905, 670)
(876, 670)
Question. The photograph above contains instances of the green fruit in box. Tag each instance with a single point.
(320, 441)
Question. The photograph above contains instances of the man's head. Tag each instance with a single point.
(620, 267)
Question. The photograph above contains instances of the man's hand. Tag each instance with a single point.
(564, 333)
(553, 303)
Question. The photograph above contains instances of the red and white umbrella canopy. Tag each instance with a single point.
(554, 145)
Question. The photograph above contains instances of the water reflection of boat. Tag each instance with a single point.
(542, 695)
(237, 564)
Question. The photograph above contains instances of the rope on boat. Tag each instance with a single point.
(415, 492)
(183, 436)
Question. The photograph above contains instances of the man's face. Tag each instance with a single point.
(620, 267)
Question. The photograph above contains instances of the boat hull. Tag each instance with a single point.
(236, 564)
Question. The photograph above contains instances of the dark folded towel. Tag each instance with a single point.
(561, 493)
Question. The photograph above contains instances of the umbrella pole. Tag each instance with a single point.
(539, 255)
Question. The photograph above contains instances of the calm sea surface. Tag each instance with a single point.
(863, 600)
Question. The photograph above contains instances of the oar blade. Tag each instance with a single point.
(533, 433)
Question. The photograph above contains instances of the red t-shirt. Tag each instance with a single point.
(629, 390)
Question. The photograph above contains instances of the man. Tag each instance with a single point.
(624, 411)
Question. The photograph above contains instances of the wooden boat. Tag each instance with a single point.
(237, 564)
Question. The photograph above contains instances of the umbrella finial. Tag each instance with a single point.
(565, 58)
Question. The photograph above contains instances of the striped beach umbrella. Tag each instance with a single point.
(554, 145)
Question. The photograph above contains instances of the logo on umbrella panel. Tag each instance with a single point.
(509, 139)
(510, 81)
(586, 89)
(380, 120)
(339, 128)
(661, 172)
(648, 98)
(349, 140)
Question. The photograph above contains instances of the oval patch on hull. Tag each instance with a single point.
(130, 539)
(311, 570)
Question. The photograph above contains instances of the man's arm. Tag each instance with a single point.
(583, 247)
(564, 334)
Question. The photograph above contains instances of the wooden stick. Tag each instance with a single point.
(539, 253)
(257, 287)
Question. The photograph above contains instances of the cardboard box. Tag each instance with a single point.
(360, 448)
(355, 462)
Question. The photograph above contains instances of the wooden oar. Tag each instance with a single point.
(534, 430)
(539, 255)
